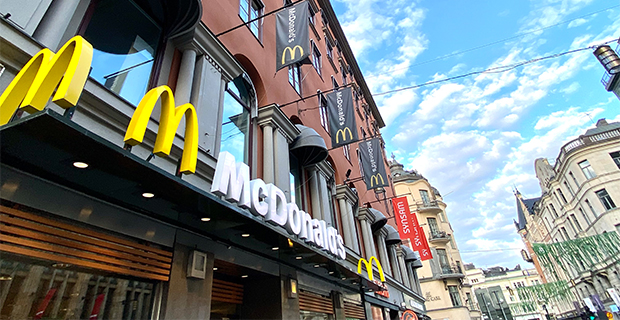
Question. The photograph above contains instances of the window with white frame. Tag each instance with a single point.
(615, 156)
(570, 173)
(316, 58)
(250, 10)
(294, 77)
(454, 296)
(591, 208)
(585, 217)
(323, 111)
(570, 190)
(562, 195)
(555, 213)
(330, 49)
(335, 83)
(344, 74)
(576, 222)
(587, 170)
(605, 198)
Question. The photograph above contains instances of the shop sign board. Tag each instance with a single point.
(409, 315)
(614, 295)
(67, 71)
(232, 180)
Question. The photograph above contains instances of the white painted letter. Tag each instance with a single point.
(232, 180)
(259, 192)
(278, 211)
(293, 224)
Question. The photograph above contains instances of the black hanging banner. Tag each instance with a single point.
(341, 117)
(375, 175)
(292, 38)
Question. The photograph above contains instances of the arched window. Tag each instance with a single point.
(235, 135)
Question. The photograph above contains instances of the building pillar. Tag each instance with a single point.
(394, 263)
(347, 233)
(268, 173)
(55, 22)
(369, 245)
(383, 256)
(281, 164)
(183, 91)
(403, 267)
(346, 197)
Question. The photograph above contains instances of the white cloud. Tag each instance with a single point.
(576, 23)
(573, 87)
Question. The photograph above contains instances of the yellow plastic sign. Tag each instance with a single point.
(67, 72)
(368, 264)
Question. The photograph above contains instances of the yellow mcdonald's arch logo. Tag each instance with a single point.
(33, 86)
(374, 180)
(169, 121)
(343, 132)
(292, 52)
(368, 264)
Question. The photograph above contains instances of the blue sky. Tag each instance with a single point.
(476, 138)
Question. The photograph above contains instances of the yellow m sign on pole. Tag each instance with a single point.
(169, 121)
(292, 52)
(368, 264)
(343, 133)
(35, 83)
(374, 180)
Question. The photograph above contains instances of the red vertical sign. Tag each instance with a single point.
(44, 303)
(409, 228)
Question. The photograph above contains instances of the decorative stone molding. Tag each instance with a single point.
(344, 192)
(273, 116)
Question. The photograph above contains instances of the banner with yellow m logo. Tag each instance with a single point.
(292, 34)
(373, 164)
(341, 116)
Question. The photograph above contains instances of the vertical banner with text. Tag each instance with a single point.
(341, 117)
(292, 38)
(409, 228)
(375, 175)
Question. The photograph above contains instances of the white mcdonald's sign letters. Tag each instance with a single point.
(232, 180)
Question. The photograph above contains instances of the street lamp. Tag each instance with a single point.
(608, 58)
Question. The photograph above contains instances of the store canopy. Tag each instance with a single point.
(46, 144)
(393, 237)
(380, 220)
(309, 147)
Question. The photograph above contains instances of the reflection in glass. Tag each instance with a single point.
(125, 41)
(235, 124)
(44, 292)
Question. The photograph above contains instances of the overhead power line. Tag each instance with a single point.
(492, 43)
(498, 69)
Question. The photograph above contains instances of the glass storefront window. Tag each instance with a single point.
(125, 41)
(235, 137)
(31, 291)
(311, 315)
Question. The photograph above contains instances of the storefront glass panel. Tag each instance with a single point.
(56, 291)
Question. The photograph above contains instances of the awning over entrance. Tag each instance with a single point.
(46, 145)
(380, 220)
(309, 147)
(393, 237)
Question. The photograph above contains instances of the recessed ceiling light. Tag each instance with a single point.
(275, 248)
(80, 165)
(290, 243)
(205, 219)
(298, 257)
(214, 268)
(148, 195)
(244, 276)
(317, 265)
(61, 265)
(245, 235)
(331, 272)
(5, 278)
(344, 278)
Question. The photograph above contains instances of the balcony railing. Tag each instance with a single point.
(582, 142)
(432, 205)
(438, 236)
(451, 270)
